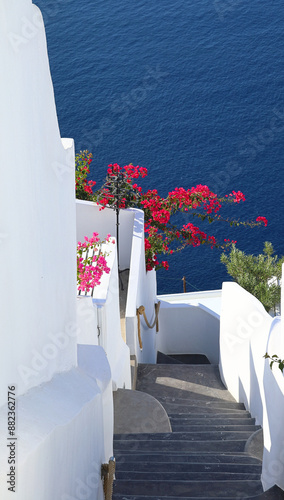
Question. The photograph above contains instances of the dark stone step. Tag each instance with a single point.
(210, 403)
(184, 436)
(142, 497)
(206, 411)
(211, 421)
(186, 476)
(274, 493)
(186, 467)
(199, 489)
(181, 446)
(135, 457)
(211, 428)
(181, 380)
(188, 359)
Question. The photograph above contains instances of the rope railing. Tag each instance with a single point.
(108, 474)
(141, 311)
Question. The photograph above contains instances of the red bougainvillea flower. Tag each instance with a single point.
(238, 196)
(262, 219)
(162, 235)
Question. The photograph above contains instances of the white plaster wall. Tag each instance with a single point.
(273, 384)
(188, 329)
(63, 409)
(244, 330)
(65, 433)
(87, 320)
(247, 332)
(91, 219)
(37, 245)
(142, 290)
(103, 310)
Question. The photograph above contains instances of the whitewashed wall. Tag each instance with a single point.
(142, 290)
(37, 261)
(63, 407)
(103, 311)
(247, 332)
(188, 329)
(64, 431)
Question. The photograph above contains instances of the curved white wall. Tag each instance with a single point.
(63, 407)
(37, 207)
(247, 332)
(64, 431)
(188, 329)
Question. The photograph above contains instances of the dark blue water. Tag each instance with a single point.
(191, 90)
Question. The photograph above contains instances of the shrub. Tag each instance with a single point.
(258, 274)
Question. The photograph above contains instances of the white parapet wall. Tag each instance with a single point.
(142, 289)
(64, 434)
(247, 332)
(98, 319)
(189, 324)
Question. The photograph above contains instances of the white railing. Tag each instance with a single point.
(141, 291)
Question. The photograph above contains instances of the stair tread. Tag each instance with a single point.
(204, 412)
(187, 476)
(189, 488)
(186, 436)
(198, 428)
(190, 467)
(212, 420)
(207, 402)
(217, 458)
(118, 496)
(186, 446)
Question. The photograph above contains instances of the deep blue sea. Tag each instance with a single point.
(192, 90)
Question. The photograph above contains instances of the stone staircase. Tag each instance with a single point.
(204, 456)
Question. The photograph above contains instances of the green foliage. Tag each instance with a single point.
(275, 359)
(84, 189)
(254, 272)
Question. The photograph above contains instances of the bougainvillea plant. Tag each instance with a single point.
(91, 262)
(84, 188)
(162, 235)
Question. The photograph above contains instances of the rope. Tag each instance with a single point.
(108, 471)
(141, 311)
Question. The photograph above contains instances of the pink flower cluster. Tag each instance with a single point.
(237, 196)
(263, 220)
(91, 262)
